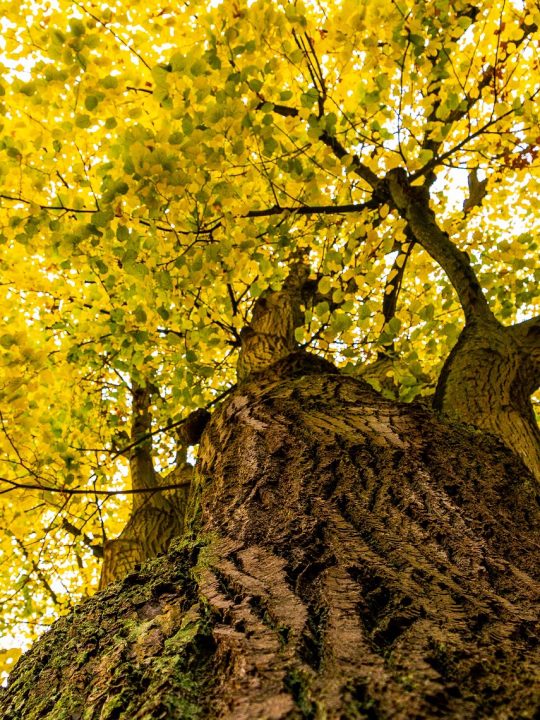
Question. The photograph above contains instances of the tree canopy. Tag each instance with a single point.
(162, 166)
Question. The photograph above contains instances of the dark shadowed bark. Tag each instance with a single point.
(351, 558)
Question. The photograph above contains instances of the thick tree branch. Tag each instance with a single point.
(412, 202)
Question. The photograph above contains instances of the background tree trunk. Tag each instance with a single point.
(353, 558)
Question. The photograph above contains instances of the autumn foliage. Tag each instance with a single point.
(161, 166)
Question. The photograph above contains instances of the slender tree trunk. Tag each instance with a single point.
(353, 558)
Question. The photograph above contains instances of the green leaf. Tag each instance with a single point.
(324, 285)
(122, 233)
(109, 82)
(77, 27)
(309, 98)
(140, 314)
(91, 102)
(7, 340)
(83, 121)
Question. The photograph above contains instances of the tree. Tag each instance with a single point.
(286, 231)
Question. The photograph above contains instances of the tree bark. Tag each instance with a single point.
(493, 370)
(487, 381)
(350, 557)
(155, 517)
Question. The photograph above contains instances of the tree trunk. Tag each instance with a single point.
(497, 399)
(353, 558)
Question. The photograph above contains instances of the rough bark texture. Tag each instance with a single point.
(412, 202)
(355, 558)
(487, 382)
(493, 370)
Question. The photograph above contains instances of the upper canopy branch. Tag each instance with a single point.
(333, 143)
(66, 491)
(412, 202)
(469, 100)
(314, 209)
